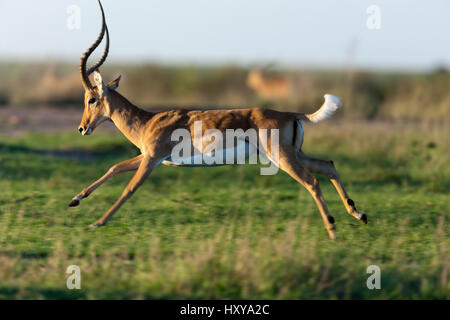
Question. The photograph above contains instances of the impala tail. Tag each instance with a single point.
(329, 107)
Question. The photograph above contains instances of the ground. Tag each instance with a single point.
(227, 232)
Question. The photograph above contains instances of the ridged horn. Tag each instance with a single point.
(85, 74)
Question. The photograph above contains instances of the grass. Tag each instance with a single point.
(227, 232)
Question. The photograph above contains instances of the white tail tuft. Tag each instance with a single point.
(329, 107)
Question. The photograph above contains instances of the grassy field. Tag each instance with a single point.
(227, 232)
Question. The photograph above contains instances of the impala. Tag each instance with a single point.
(268, 87)
(152, 134)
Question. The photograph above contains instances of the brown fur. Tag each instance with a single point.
(151, 133)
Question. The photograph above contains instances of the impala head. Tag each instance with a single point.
(96, 97)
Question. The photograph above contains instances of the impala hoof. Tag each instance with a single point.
(363, 218)
(332, 234)
(96, 225)
(74, 203)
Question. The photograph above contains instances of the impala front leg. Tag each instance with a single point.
(145, 168)
(127, 165)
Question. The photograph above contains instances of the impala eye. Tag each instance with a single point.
(91, 100)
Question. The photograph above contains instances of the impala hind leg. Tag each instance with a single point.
(146, 166)
(326, 167)
(127, 165)
(289, 163)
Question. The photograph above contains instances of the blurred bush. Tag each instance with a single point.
(366, 95)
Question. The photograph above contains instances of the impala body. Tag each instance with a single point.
(152, 132)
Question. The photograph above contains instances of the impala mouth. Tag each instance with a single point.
(87, 132)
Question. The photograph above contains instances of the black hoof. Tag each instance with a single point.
(74, 203)
(364, 218)
(351, 203)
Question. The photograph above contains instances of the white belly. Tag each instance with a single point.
(240, 153)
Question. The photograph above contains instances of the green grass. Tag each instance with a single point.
(227, 232)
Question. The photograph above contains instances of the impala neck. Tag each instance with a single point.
(128, 118)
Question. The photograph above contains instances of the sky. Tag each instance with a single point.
(412, 35)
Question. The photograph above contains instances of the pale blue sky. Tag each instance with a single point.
(321, 33)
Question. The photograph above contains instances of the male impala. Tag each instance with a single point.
(266, 87)
(151, 133)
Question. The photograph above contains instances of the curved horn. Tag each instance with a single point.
(104, 55)
(85, 75)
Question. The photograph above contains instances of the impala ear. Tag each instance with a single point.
(99, 82)
(113, 85)
(98, 79)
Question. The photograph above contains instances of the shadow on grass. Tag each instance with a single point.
(383, 171)
(26, 254)
(73, 153)
(78, 154)
(395, 284)
(18, 162)
(15, 292)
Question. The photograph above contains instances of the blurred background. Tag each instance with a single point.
(387, 61)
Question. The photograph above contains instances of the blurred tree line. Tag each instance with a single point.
(366, 95)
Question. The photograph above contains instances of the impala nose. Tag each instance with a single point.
(85, 131)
